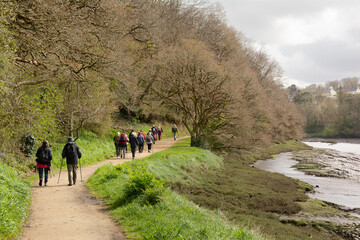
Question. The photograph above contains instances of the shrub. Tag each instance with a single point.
(145, 184)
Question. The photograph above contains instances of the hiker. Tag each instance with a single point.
(149, 140)
(133, 142)
(117, 144)
(174, 130)
(43, 159)
(159, 131)
(72, 153)
(123, 144)
(141, 140)
(154, 133)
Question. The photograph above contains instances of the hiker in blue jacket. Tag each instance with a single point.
(141, 140)
(174, 130)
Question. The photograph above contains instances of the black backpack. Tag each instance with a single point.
(44, 155)
(118, 139)
(71, 151)
(174, 129)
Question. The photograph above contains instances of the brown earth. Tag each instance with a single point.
(66, 212)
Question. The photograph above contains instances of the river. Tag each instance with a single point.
(343, 192)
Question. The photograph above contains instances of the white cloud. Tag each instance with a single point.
(295, 30)
(314, 41)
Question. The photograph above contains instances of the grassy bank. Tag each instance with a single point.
(148, 209)
(15, 201)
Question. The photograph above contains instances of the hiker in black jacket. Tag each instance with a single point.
(72, 153)
(43, 159)
(117, 144)
(133, 142)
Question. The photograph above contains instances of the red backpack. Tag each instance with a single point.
(123, 138)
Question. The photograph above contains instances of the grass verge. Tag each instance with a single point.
(15, 201)
(141, 203)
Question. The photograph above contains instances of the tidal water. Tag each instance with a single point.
(339, 191)
(341, 147)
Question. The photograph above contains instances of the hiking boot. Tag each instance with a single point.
(40, 182)
(69, 184)
(45, 184)
(74, 182)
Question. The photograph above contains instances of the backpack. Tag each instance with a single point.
(123, 138)
(174, 129)
(118, 139)
(148, 138)
(140, 139)
(153, 129)
(71, 151)
(44, 155)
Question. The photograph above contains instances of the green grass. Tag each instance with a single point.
(15, 201)
(147, 209)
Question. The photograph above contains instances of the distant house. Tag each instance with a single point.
(353, 90)
(330, 92)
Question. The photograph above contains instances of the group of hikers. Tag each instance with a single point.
(137, 140)
(72, 152)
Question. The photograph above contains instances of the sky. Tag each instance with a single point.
(314, 41)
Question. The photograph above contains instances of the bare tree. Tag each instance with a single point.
(189, 79)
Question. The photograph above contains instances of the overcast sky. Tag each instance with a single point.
(314, 41)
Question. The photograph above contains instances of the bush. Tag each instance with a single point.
(144, 184)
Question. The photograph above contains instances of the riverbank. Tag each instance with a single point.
(329, 163)
(326, 164)
(259, 199)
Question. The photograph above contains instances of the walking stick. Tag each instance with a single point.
(60, 170)
(80, 170)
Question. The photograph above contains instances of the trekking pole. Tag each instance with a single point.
(60, 170)
(80, 170)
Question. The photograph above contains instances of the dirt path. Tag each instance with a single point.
(62, 212)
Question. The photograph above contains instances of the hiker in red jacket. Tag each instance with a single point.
(123, 144)
(159, 131)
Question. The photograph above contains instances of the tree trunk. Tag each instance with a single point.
(197, 141)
